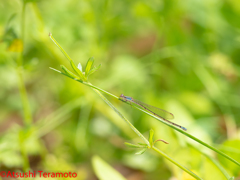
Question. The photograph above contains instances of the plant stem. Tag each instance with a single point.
(176, 163)
(20, 58)
(86, 83)
(191, 136)
(21, 137)
(94, 87)
(214, 161)
(24, 98)
(120, 114)
(58, 45)
(21, 85)
(180, 130)
(98, 91)
(23, 93)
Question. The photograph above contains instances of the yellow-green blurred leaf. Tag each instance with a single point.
(89, 66)
(16, 46)
(104, 171)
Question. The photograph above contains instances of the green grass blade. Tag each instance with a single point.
(225, 173)
(176, 163)
(190, 136)
(89, 66)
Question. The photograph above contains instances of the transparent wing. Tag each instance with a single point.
(160, 112)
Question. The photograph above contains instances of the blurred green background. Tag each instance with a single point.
(182, 56)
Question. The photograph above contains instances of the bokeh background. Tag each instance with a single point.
(182, 56)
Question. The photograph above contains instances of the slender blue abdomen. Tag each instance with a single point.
(128, 98)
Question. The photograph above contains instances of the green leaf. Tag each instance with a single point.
(143, 144)
(77, 71)
(217, 164)
(79, 67)
(151, 137)
(94, 69)
(104, 171)
(89, 66)
(69, 72)
(141, 152)
(55, 70)
(132, 145)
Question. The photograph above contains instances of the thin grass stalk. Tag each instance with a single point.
(23, 93)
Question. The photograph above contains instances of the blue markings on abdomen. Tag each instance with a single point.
(128, 98)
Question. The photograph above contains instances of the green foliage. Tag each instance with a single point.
(105, 171)
(69, 73)
(149, 143)
(89, 66)
(182, 56)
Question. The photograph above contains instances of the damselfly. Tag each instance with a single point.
(164, 115)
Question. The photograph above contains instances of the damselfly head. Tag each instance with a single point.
(122, 96)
